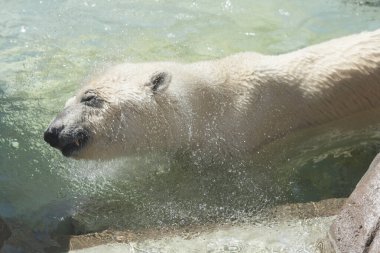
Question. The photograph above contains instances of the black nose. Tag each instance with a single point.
(51, 135)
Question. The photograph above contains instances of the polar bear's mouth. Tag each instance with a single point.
(73, 147)
(69, 142)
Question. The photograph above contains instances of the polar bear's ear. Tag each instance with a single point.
(160, 81)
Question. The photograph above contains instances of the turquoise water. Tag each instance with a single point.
(47, 49)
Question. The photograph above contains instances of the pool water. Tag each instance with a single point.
(48, 48)
(288, 237)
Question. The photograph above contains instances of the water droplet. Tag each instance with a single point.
(250, 34)
(283, 12)
(227, 5)
(171, 35)
(15, 144)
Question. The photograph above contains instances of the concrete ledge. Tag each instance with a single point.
(356, 228)
(297, 211)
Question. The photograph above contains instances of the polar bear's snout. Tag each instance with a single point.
(66, 138)
(51, 136)
(68, 142)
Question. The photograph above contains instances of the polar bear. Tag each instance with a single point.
(226, 106)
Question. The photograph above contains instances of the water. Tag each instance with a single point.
(281, 237)
(47, 49)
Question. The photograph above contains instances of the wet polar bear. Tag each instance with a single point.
(227, 106)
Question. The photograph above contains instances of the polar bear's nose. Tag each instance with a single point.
(51, 135)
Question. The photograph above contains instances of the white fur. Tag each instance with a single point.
(234, 104)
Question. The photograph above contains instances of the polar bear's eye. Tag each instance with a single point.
(159, 81)
(91, 99)
(88, 98)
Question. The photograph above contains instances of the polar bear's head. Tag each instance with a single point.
(130, 108)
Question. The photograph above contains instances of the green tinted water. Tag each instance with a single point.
(47, 48)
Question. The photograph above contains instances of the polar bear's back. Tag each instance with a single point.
(310, 86)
